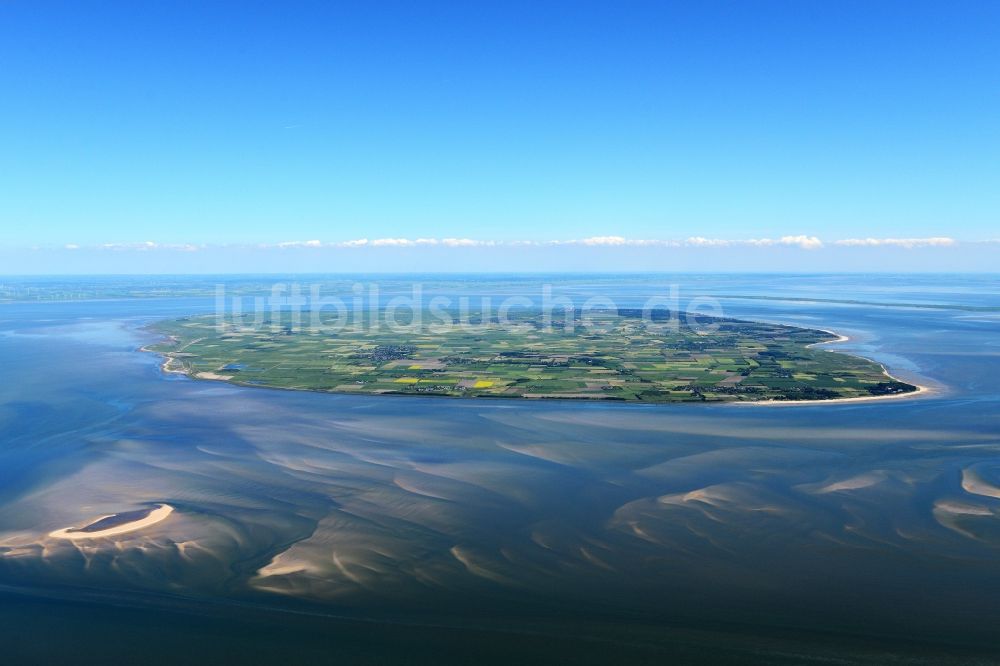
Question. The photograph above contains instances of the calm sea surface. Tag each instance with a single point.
(313, 528)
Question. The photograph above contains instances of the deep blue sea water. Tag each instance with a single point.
(318, 528)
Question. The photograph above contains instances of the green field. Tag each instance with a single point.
(620, 355)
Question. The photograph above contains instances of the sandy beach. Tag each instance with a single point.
(921, 390)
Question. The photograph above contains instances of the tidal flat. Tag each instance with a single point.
(522, 530)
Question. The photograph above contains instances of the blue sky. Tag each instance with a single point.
(158, 134)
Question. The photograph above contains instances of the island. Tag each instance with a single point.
(116, 523)
(614, 355)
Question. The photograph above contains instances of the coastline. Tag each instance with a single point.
(167, 358)
(157, 515)
(921, 390)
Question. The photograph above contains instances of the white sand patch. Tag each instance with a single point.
(854, 483)
(213, 375)
(156, 515)
(974, 484)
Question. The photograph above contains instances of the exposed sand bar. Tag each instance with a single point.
(974, 484)
(75, 533)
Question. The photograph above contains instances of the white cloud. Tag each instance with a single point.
(701, 241)
(802, 241)
(308, 243)
(393, 242)
(465, 242)
(146, 245)
(805, 242)
(143, 246)
(604, 240)
(415, 242)
(908, 243)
